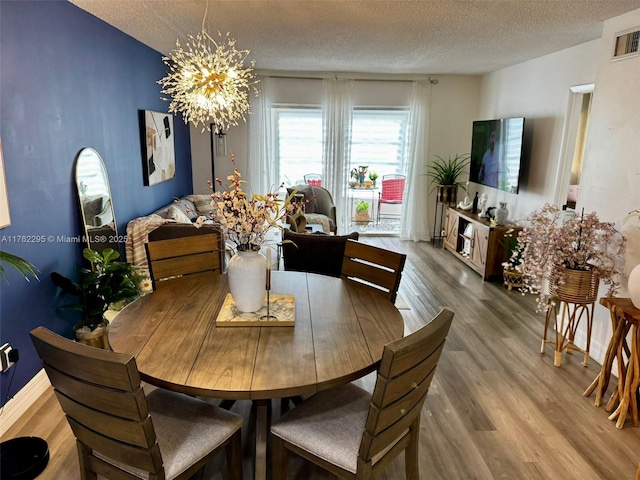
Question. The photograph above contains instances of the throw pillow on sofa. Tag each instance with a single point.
(202, 202)
(175, 213)
(187, 207)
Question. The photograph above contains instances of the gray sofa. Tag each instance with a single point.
(173, 220)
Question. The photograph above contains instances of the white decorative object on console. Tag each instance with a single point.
(502, 213)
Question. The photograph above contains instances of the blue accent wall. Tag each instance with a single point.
(67, 81)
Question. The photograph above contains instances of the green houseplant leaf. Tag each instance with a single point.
(446, 171)
(25, 268)
(362, 206)
(109, 282)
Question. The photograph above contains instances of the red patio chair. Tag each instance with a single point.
(392, 191)
(313, 179)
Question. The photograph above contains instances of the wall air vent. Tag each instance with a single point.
(627, 44)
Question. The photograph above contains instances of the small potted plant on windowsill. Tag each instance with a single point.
(373, 176)
(444, 173)
(110, 282)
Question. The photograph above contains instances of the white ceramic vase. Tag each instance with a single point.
(634, 286)
(247, 280)
(502, 213)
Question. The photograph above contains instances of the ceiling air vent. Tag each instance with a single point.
(627, 43)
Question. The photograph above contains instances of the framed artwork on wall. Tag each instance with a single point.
(5, 219)
(159, 158)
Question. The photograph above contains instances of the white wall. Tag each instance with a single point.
(539, 90)
(610, 183)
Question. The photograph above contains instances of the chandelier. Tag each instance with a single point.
(208, 82)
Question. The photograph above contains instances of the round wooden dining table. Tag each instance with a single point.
(339, 334)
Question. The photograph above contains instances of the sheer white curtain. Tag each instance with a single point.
(337, 113)
(261, 164)
(414, 224)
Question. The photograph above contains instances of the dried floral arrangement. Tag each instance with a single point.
(246, 217)
(547, 245)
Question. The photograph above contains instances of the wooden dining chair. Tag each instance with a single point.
(121, 433)
(374, 267)
(355, 434)
(314, 253)
(176, 257)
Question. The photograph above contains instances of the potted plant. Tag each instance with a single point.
(362, 212)
(373, 176)
(444, 173)
(569, 257)
(109, 282)
(355, 176)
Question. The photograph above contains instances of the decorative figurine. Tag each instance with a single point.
(502, 213)
(467, 203)
(482, 203)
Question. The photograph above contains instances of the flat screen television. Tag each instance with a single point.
(497, 153)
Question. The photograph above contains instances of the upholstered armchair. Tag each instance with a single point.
(318, 206)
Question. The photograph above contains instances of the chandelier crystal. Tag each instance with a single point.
(208, 82)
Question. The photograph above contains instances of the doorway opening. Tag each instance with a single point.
(573, 145)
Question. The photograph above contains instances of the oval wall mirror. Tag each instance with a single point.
(96, 203)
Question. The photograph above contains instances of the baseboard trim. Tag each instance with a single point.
(20, 403)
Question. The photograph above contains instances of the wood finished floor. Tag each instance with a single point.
(497, 409)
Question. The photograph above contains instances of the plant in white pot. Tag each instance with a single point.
(574, 254)
(245, 218)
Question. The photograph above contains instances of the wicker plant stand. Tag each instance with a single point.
(512, 278)
(570, 302)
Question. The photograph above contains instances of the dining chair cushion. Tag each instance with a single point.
(186, 437)
(329, 424)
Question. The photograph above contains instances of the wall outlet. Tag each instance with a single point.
(4, 357)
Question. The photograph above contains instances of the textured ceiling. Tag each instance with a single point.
(370, 36)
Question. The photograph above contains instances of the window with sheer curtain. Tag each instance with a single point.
(379, 140)
(298, 135)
